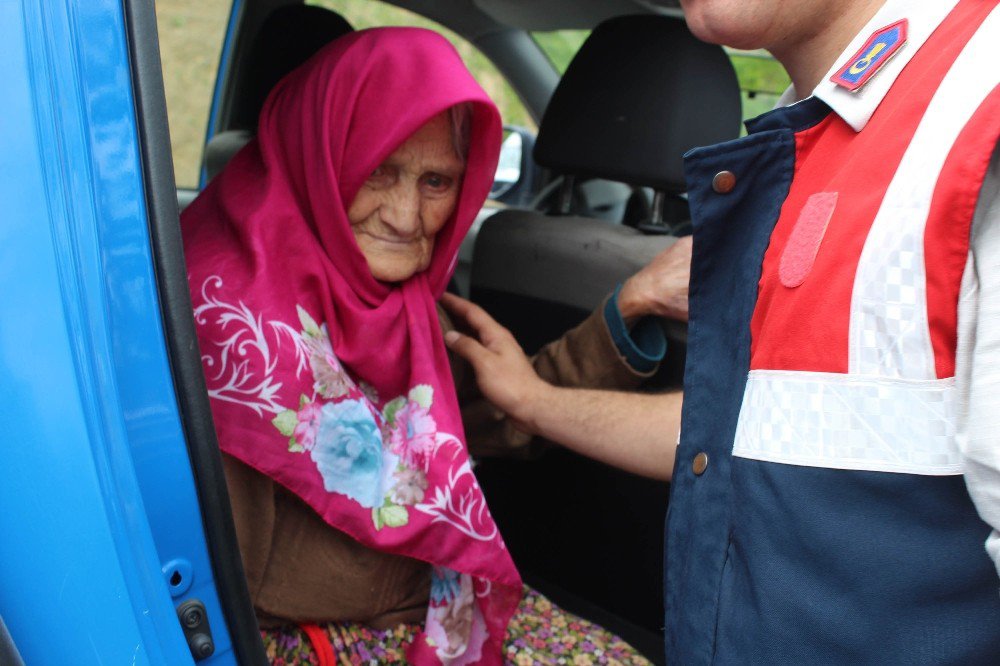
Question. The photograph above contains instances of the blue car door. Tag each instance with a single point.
(114, 510)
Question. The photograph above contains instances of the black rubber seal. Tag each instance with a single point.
(9, 656)
(182, 344)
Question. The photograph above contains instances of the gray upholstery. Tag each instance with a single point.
(221, 148)
(640, 92)
(288, 37)
(573, 261)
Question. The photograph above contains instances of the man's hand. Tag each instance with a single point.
(634, 431)
(503, 372)
(661, 288)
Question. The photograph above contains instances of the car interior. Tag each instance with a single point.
(640, 92)
(601, 192)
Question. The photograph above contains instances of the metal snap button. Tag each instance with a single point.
(699, 464)
(724, 182)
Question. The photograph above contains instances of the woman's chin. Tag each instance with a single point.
(394, 268)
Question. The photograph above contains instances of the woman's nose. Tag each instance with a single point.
(402, 211)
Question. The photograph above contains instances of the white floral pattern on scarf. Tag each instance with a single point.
(379, 458)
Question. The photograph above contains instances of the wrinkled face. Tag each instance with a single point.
(405, 202)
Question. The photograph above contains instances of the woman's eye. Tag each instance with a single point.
(437, 182)
(380, 176)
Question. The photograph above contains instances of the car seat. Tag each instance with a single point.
(640, 93)
(287, 37)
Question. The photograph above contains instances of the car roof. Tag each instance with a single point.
(476, 18)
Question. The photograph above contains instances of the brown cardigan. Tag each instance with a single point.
(299, 569)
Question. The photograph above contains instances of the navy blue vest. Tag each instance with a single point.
(779, 563)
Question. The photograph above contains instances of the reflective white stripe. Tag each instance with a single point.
(820, 419)
(889, 335)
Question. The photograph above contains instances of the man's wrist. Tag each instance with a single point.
(530, 412)
(629, 302)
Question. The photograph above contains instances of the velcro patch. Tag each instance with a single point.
(881, 46)
(803, 244)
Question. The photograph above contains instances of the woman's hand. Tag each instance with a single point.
(661, 288)
(503, 372)
(634, 431)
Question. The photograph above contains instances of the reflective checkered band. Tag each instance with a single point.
(889, 333)
(837, 421)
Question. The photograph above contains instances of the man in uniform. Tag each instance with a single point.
(836, 489)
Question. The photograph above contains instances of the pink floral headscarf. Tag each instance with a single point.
(332, 383)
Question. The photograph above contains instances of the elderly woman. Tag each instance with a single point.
(315, 262)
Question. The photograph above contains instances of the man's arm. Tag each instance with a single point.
(600, 353)
(634, 431)
(616, 348)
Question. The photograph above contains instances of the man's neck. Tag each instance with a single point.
(808, 57)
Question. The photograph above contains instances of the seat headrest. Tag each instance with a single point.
(221, 148)
(641, 91)
(286, 39)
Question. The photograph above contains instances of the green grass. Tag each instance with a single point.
(191, 33)
(762, 80)
(560, 45)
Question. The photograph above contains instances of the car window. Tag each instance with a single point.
(368, 14)
(762, 80)
(191, 34)
(560, 45)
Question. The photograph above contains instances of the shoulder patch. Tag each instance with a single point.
(880, 47)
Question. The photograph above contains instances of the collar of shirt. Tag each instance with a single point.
(857, 108)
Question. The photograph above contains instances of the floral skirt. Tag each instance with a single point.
(539, 633)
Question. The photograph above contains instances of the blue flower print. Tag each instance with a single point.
(348, 452)
(445, 585)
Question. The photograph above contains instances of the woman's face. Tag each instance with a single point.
(405, 202)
